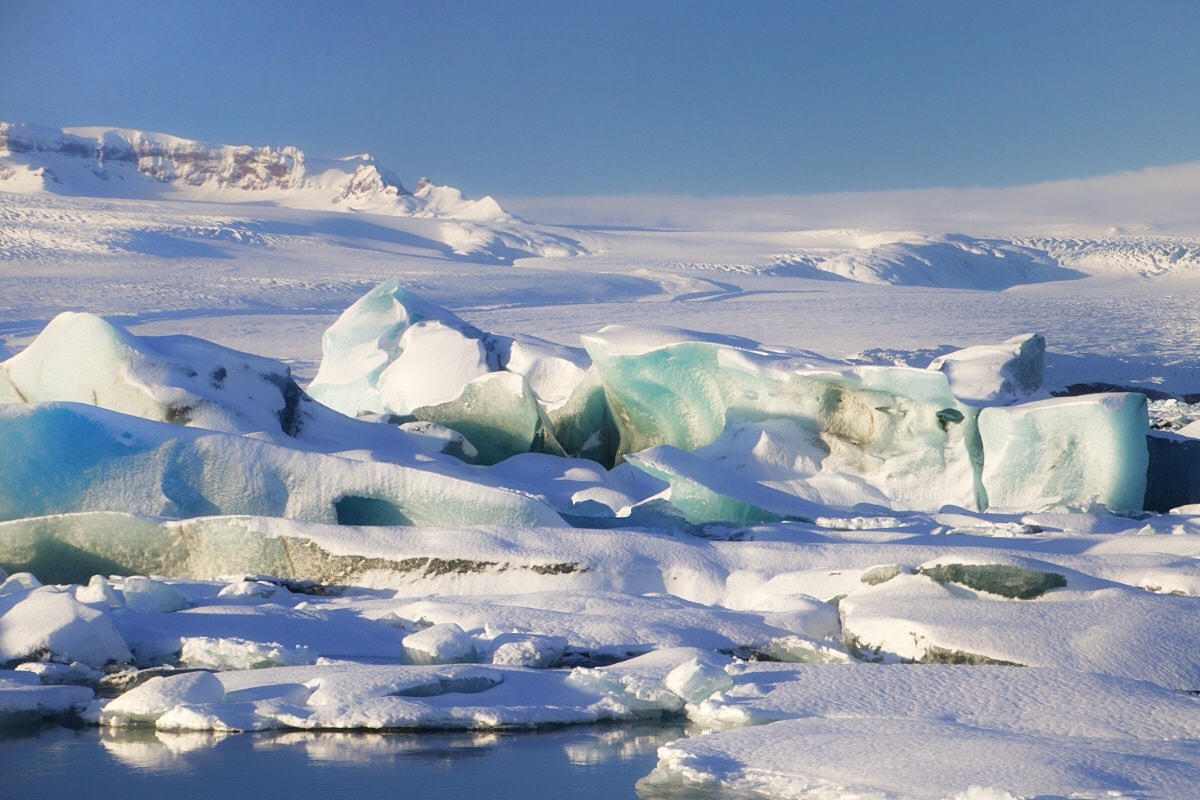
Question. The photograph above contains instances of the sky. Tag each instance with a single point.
(641, 97)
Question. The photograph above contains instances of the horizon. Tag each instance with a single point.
(661, 98)
(1150, 201)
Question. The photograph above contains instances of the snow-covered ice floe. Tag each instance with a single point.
(848, 581)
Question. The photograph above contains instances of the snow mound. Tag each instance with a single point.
(948, 261)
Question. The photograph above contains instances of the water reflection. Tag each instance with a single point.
(579, 762)
(149, 750)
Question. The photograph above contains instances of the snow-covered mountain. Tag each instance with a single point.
(118, 162)
(998, 248)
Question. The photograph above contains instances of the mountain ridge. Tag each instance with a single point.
(129, 163)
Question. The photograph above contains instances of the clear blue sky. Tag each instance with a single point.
(545, 97)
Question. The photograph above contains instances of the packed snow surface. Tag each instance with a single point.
(876, 511)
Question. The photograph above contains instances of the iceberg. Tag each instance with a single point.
(82, 358)
(444, 643)
(48, 622)
(1081, 451)
(66, 457)
(898, 430)
(360, 350)
(26, 702)
(394, 354)
(996, 374)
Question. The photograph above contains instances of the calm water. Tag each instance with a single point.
(592, 762)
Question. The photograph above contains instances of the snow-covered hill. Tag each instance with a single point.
(117, 162)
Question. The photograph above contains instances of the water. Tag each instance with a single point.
(593, 762)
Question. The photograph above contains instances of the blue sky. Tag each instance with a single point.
(638, 97)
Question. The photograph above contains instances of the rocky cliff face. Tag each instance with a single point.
(163, 158)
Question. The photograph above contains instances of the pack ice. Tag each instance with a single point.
(860, 581)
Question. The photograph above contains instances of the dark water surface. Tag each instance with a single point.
(592, 762)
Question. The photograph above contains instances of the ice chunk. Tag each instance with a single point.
(498, 415)
(146, 595)
(578, 488)
(207, 652)
(82, 358)
(25, 701)
(251, 590)
(369, 337)
(898, 431)
(1005, 580)
(157, 696)
(805, 650)
(19, 582)
(695, 680)
(660, 681)
(703, 490)
(435, 362)
(1089, 625)
(1081, 452)
(349, 696)
(583, 425)
(434, 438)
(527, 650)
(552, 371)
(51, 673)
(602, 623)
(98, 594)
(69, 457)
(50, 623)
(341, 685)
(445, 643)
(996, 374)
